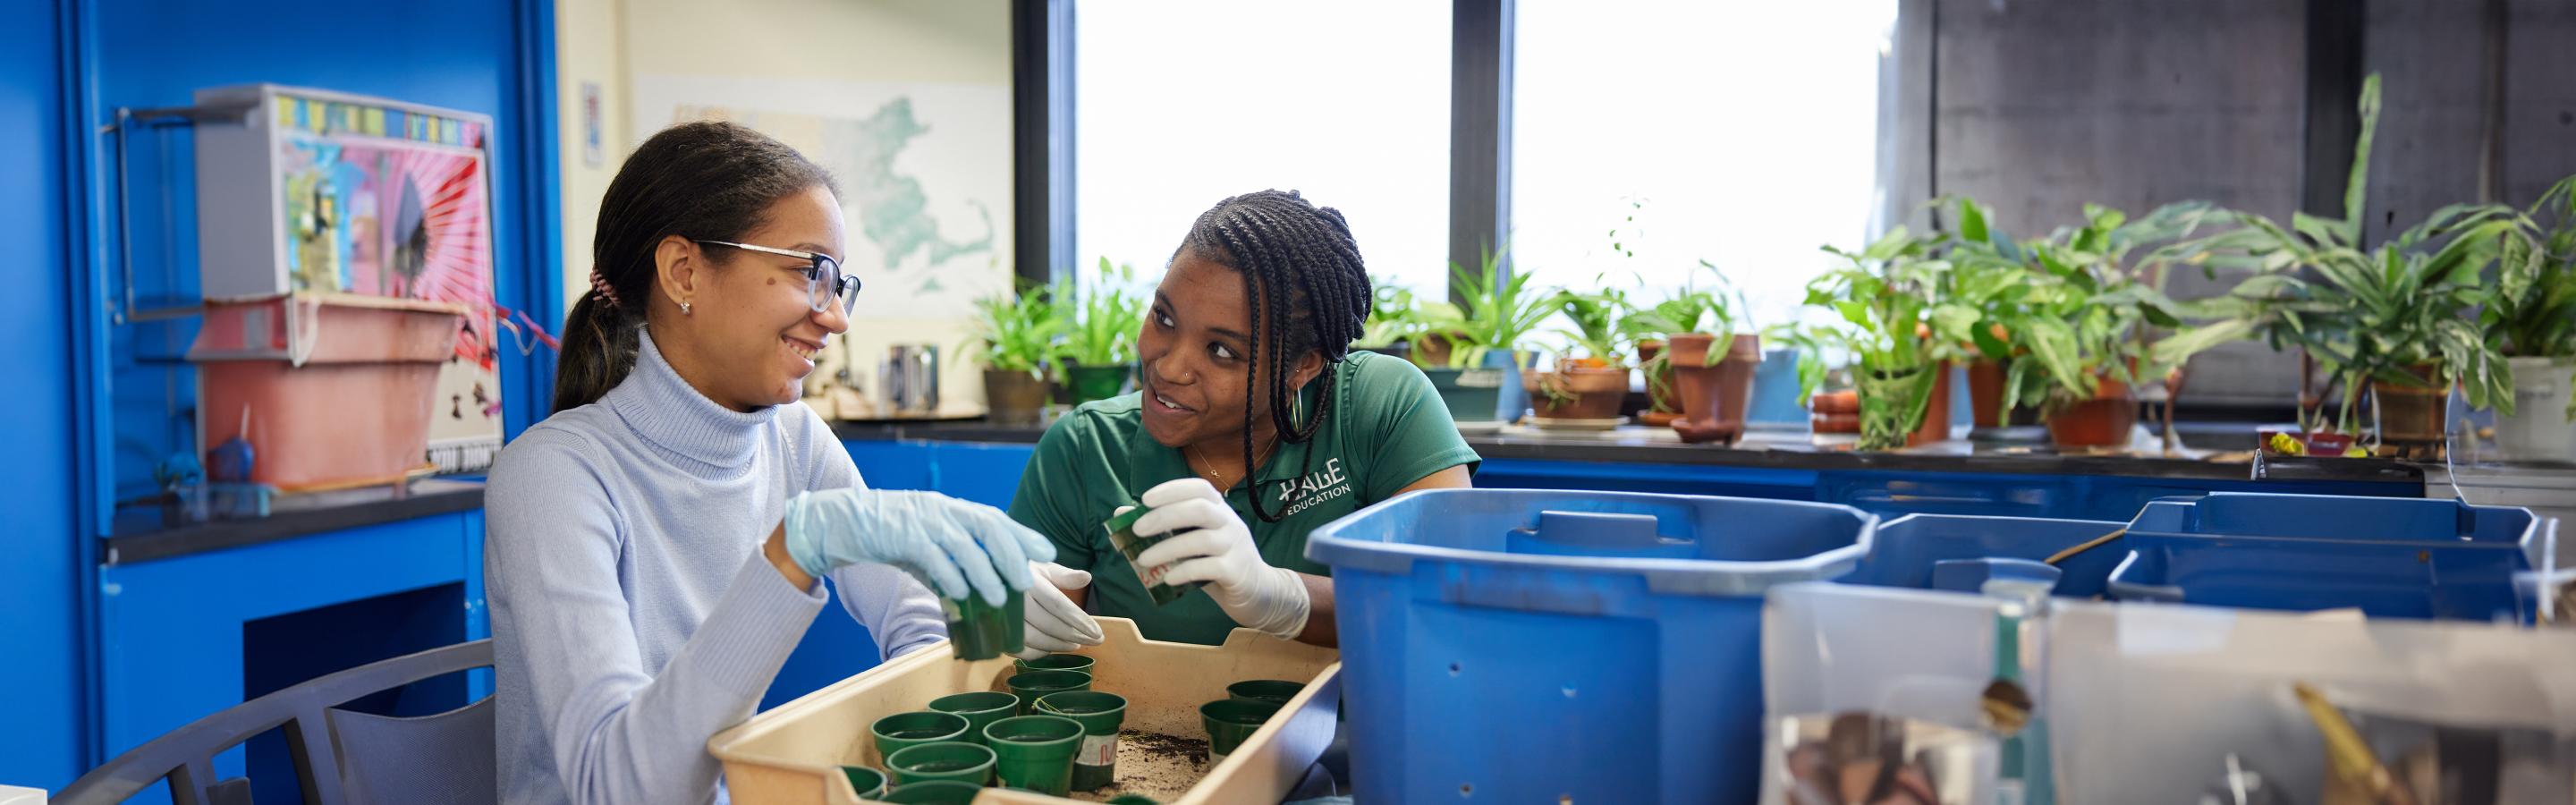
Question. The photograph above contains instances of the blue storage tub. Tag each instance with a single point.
(1906, 549)
(1511, 645)
(2390, 557)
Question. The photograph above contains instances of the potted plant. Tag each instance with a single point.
(1391, 324)
(1882, 299)
(1591, 376)
(2084, 320)
(2532, 322)
(1993, 275)
(2384, 322)
(1100, 347)
(1481, 339)
(1709, 366)
(1019, 338)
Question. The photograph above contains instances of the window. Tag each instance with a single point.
(1738, 133)
(1179, 104)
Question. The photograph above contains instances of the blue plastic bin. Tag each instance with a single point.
(1905, 549)
(1510, 645)
(2390, 557)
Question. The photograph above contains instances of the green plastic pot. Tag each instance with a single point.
(1032, 684)
(956, 761)
(1088, 383)
(1056, 662)
(895, 732)
(1229, 721)
(981, 631)
(1123, 536)
(935, 792)
(1095, 764)
(1132, 799)
(1273, 692)
(1471, 395)
(980, 708)
(870, 783)
(1035, 752)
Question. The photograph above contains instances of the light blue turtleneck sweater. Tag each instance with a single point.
(633, 615)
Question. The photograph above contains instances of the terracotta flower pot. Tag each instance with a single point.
(2103, 421)
(1936, 413)
(2411, 413)
(1663, 401)
(1714, 398)
(1014, 398)
(1577, 392)
(1834, 412)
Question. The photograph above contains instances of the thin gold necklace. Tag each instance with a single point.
(1191, 453)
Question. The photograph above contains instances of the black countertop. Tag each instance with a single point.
(139, 539)
(1784, 450)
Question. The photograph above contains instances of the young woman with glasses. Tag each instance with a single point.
(654, 548)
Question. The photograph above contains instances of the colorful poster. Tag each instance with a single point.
(407, 219)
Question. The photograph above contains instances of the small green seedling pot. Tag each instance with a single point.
(1123, 536)
(870, 783)
(895, 732)
(1273, 692)
(935, 792)
(1057, 662)
(1100, 714)
(981, 631)
(980, 708)
(1035, 752)
(1228, 722)
(1132, 799)
(956, 761)
(1031, 685)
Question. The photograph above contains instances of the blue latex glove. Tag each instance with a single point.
(952, 545)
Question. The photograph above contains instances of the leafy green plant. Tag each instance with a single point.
(1390, 316)
(1883, 298)
(1719, 310)
(2534, 314)
(1111, 314)
(1596, 316)
(1022, 333)
(1500, 312)
(2371, 314)
(2083, 313)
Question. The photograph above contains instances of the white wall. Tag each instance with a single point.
(790, 43)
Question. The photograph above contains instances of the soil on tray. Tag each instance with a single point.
(1153, 764)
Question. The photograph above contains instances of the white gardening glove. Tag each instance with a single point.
(956, 547)
(1208, 543)
(1053, 622)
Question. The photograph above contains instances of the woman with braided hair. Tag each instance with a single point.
(1254, 423)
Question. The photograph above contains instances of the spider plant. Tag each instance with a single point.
(1500, 312)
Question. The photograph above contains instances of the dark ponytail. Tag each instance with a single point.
(1308, 291)
(706, 180)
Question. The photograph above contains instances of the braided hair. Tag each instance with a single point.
(1308, 291)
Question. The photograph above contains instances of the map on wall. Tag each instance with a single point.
(924, 173)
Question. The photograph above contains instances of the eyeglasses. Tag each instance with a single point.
(823, 278)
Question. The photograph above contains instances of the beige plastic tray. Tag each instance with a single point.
(791, 755)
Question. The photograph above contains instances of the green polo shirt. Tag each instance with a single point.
(1387, 430)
